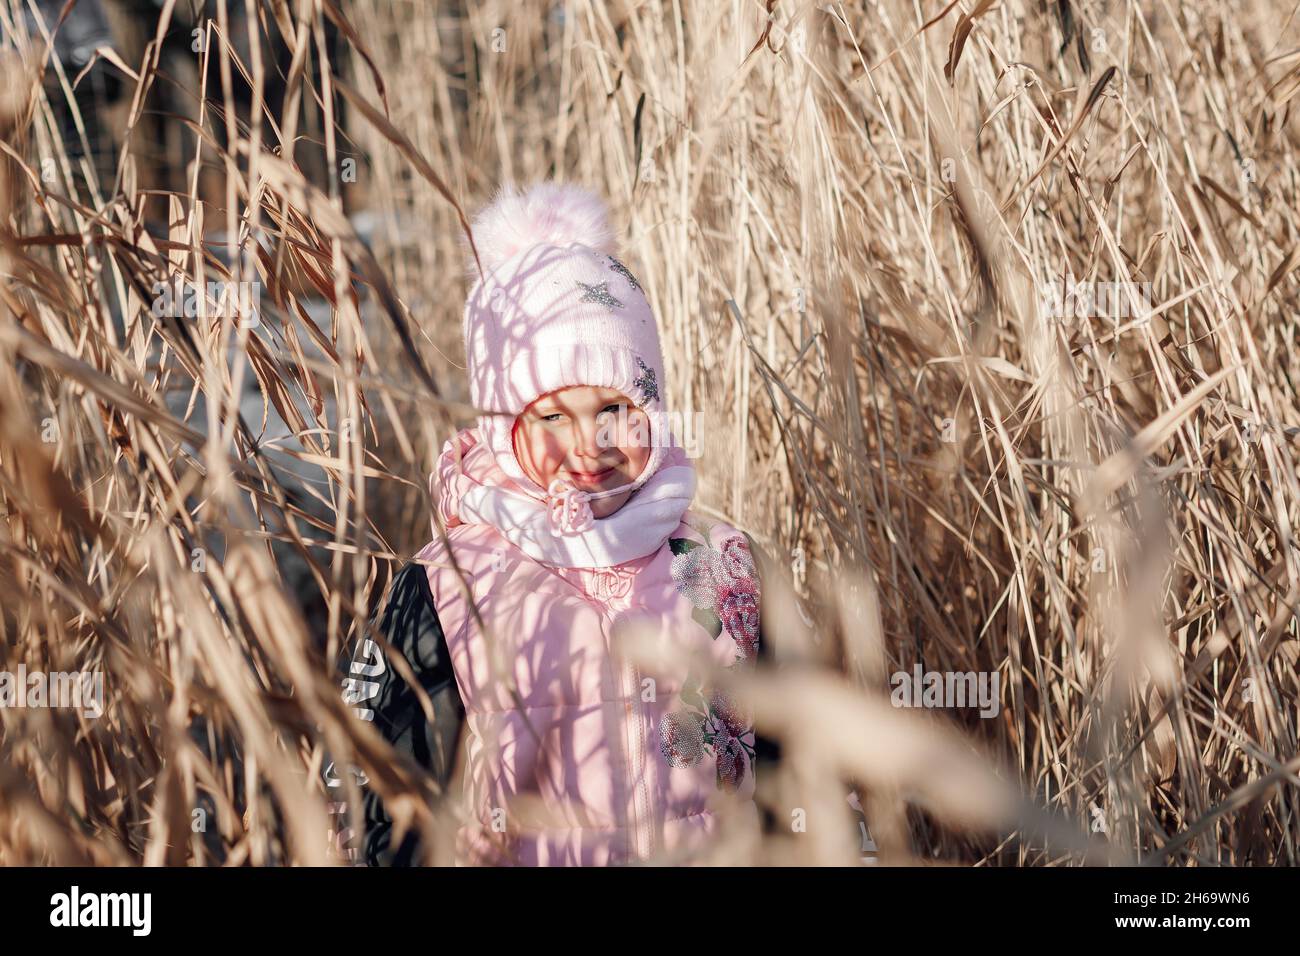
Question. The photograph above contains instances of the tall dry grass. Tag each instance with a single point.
(846, 217)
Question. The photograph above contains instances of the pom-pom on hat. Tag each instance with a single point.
(554, 307)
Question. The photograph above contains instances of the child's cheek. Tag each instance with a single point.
(552, 452)
(530, 447)
(638, 455)
(547, 453)
(640, 451)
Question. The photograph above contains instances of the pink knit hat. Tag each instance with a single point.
(555, 308)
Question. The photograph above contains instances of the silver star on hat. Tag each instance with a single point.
(599, 293)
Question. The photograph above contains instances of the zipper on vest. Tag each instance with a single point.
(642, 833)
(642, 828)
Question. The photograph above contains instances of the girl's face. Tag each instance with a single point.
(560, 435)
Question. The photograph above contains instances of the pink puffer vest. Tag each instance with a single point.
(596, 763)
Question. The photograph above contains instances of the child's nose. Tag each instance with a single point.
(587, 438)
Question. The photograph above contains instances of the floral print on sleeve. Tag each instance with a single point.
(722, 586)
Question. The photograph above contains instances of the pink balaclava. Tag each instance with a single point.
(556, 308)
(553, 308)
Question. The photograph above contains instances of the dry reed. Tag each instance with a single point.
(848, 218)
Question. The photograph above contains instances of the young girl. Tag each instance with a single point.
(567, 530)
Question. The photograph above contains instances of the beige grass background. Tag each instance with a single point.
(846, 217)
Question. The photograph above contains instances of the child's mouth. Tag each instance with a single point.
(591, 479)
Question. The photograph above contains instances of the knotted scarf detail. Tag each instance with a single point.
(557, 526)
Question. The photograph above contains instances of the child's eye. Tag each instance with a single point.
(553, 417)
(615, 406)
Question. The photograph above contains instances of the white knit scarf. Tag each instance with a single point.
(478, 492)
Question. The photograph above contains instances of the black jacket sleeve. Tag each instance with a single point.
(409, 623)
